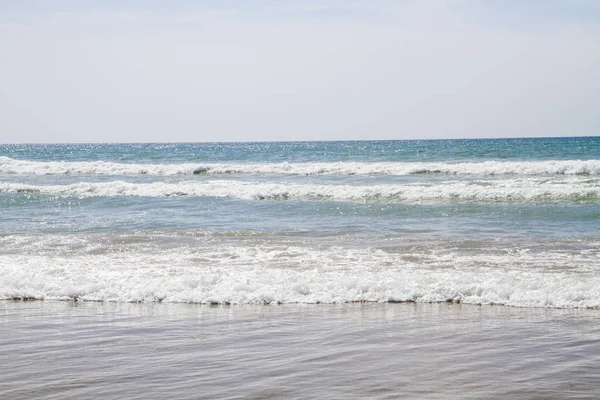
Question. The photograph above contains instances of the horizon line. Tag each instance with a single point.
(308, 141)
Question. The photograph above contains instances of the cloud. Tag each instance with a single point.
(317, 70)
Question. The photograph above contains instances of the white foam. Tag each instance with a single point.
(251, 271)
(556, 167)
(519, 189)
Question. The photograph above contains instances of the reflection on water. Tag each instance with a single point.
(71, 350)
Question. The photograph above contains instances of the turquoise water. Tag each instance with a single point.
(504, 221)
(532, 149)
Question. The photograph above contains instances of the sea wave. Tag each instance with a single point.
(521, 189)
(488, 168)
(251, 272)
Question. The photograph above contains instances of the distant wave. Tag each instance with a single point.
(255, 273)
(487, 168)
(520, 189)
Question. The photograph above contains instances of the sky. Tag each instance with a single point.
(206, 71)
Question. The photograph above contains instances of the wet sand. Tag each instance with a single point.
(86, 350)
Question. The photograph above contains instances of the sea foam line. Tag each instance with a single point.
(490, 168)
(256, 273)
(523, 189)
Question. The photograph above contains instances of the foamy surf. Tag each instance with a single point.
(9, 166)
(506, 190)
(254, 271)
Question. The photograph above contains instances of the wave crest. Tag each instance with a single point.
(523, 189)
(487, 168)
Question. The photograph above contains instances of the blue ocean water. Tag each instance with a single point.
(499, 221)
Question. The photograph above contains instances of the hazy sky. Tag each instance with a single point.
(149, 70)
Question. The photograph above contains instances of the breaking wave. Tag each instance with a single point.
(251, 272)
(522, 189)
(487, 168)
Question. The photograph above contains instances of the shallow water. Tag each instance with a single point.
(503, 221)
(87, 350)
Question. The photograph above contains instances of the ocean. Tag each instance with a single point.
(374, 269)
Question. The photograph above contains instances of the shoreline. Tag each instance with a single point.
(78, 301)
(73, 350)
